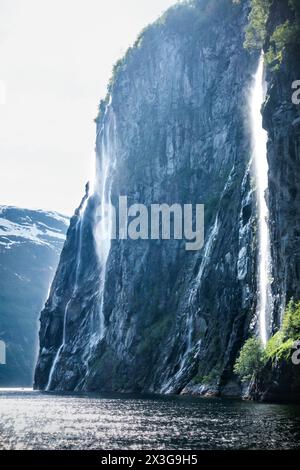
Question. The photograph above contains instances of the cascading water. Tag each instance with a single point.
(259, 148)
(104, 215)
(79, 228)
(206, 257)
(56, 359)
(168, 387)
(101, 188)
(79, 257)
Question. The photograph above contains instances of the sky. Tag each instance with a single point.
(56, 58)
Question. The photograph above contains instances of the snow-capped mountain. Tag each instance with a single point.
(22, 225)
(30, 246)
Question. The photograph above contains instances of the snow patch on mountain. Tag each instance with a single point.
(39, 227)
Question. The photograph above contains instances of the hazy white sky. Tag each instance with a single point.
(56, 58)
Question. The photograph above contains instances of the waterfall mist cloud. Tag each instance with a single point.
(56, 59)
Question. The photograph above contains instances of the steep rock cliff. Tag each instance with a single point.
(148, 315)
(281, 380)
(281, 120)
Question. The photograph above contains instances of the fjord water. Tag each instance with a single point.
(32, 420)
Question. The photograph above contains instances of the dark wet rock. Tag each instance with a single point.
(278, 382)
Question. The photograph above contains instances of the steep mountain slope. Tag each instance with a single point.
(147, 315)
(30, 246)
(281, 380)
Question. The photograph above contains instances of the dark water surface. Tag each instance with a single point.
(32, 420)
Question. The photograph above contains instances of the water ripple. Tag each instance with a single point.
(32, 420)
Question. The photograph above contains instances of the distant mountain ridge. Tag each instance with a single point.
(30, 246)
(30, 225)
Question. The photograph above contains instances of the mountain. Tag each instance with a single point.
(150, 316)
(30, 246)
(280, 380)
(147, 315)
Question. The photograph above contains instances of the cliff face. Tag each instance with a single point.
(30, 245)
(281, 381)
(141, 315)
(281, 120)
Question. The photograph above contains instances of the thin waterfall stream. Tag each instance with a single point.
(259, 148)
(75, 288)
(102, 233)
(104, 216)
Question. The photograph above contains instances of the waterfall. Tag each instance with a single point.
(206, 258)
(259, 149)
(103, 227)
(104, 222)
(168, 386)
(79, 229)
(57, 356)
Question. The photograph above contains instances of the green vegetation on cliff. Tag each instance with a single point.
(256, 30)
(280, 346)
(283, 36)
(253, 357)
